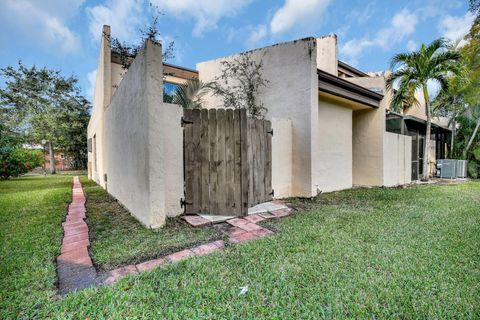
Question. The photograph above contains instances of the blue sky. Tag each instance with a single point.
(64, 34)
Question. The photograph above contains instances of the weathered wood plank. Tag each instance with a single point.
(238, 164)
(221, 167)
(251, 161)
(212, 136)
(244, 162)
(196, 174)
(268, 161)
(188, 160)
(229, 162)
(261, 145)
(205, 161)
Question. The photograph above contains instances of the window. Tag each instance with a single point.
(169, 90)
(393, 123)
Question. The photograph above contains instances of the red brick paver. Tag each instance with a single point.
(281, 212)
(267, 215)
(150, 265)
(196, 221)
(66, 247)
(119, 273)
(180, 255)
(254, 218)
(246, 236)
(238, 222)
(208, 248)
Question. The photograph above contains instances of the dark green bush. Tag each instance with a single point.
(15, 161)
(472, 169)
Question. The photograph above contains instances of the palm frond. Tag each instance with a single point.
(190, 94)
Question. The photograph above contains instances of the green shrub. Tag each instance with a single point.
(472, 169)
(476, 153)
(15, 161)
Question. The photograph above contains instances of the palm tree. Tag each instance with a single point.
(190, 94)
(451, 103)
(413, 70)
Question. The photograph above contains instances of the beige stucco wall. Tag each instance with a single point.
(117, 75)
(144, 143)
(101, 99)
(327, 54)
(292, 93)
(368, 129)
(282, 159)
(397, 159)
(334, 159)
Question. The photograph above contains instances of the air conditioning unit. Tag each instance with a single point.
(447, 168)
(462, 168)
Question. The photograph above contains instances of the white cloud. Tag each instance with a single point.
(433, 89)
(412, 45)
(294, 12)
(123, 16)
(56, 30)
(256, 35)
(455, 28)
(91, 76)
(44, 22)
(206, 13)
(402, 24)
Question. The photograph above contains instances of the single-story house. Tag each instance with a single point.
(329, 124)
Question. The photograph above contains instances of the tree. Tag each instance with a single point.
(450, 103)
(15, 160)
(41, 104)
(414, 70)
(190, 94)
(127, 52)
(240, 83)
(471, 57)
(474, 7)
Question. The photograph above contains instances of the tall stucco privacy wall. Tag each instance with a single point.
(397, 158)
(144, 142)
(282, 157)
(101, 99)
(291, 93)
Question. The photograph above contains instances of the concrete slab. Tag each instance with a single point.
(265, 207)
(259, 208)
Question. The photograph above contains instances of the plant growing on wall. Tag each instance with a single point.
(240, 83)
(151, 32)
(190, 94)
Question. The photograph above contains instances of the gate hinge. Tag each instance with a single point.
(184, 203)
(270, 132)
(184, 122)
(272, 193)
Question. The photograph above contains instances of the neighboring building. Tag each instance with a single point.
(63, 161)
(328, 118)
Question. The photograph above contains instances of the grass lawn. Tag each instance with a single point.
(363, 253)
(118, 239)
(31, 213)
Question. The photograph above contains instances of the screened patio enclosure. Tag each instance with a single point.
(416, 128)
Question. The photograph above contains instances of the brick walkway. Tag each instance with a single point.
(74, 265)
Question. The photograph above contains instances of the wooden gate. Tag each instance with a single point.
(227, 159)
